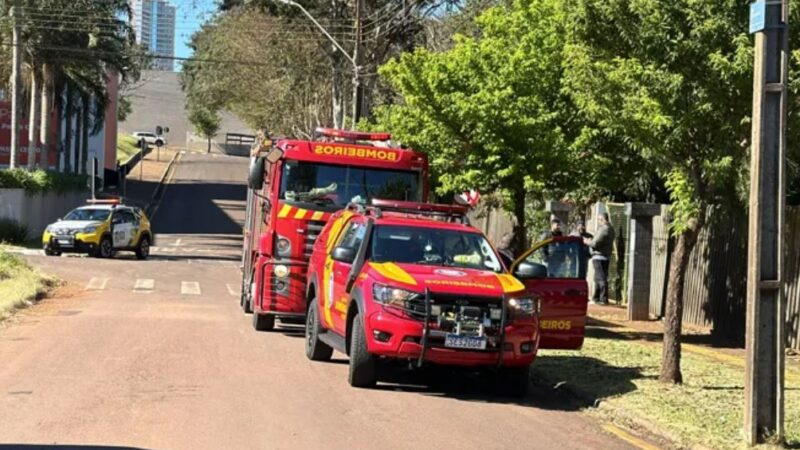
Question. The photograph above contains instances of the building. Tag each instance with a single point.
(154, 24)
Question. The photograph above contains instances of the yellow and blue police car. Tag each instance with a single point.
(100, 229)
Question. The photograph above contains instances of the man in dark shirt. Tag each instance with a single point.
(602, 245)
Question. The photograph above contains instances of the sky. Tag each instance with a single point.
(189, 15)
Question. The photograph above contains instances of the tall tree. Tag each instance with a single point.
(206, 123)
(672, 80)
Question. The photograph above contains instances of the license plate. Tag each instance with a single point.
(465, 342)
(65, 242)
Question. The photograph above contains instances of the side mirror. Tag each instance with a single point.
(344, 254)
(255, 179)
(528, 271)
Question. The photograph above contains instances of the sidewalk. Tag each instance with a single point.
(144, 178)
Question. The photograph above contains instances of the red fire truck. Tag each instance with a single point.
(294, 188)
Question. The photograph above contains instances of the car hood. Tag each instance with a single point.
(73, 224)
(446, 280)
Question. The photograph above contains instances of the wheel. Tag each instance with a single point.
(514, 381)
(49, 252)
(106, 249)
(246, 300)
(362, 362)
(143, 249)
(316, 350)
(263, 322)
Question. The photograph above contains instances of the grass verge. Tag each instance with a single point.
(707, 409)
(20, 284)
(127, 146)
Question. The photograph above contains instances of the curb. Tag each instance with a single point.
(159, 190)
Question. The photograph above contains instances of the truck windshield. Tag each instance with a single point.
(334, 185)
(88, 214)
(432, 246)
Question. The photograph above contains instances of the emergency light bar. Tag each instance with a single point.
(420, 208)
(352, 135)
(103, 201)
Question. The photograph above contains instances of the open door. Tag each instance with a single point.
(554, 270)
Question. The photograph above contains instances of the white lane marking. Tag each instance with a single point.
(232, 291)
(144, 285)
(177, 243)
(190, 288)
(97, 284)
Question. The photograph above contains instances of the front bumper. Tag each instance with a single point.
(82, 243)
(405, 342)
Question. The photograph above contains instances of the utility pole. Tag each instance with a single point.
(766, 308)
(358, 56)
(16, 84)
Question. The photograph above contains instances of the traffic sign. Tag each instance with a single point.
(758, 16)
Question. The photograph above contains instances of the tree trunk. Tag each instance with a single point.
(33, 120)
(673, 316)
(85, 100)
(47, 109)
(69, 112)
(520, 241)
(208, 150)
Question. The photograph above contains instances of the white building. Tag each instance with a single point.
(154, 24)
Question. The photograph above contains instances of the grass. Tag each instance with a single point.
(127, 146)
(12, 232)
(20, 284)
(707, 409)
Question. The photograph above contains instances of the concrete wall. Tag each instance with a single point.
(39, 210)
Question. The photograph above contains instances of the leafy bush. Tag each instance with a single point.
(12, 232)
(41, 181)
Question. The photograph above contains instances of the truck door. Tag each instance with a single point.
(560, 284)
(337, 297)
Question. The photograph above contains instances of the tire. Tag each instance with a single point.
(105, 249)
(246, 300)
(263, 322)
(49, 252)
(363, 373)
(316, 350)
(514, 381)
(143, 248)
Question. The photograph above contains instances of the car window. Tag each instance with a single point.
(354, 236)
(432, 246)
(562, 259)
(88, 214)
(124, 217)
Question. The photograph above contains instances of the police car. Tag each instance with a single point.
(100, 229)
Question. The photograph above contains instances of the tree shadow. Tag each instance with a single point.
(547, 390)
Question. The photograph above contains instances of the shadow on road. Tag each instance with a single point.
(196, 207)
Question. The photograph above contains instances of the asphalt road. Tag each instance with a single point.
(158, 355)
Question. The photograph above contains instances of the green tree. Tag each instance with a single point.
(206, 123)
(671, 80)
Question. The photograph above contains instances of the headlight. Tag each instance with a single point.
(391, 296)
(283, 247)
(89, 229)
(281, 271)
(524, 306)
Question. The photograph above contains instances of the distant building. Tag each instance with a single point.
(154, 24)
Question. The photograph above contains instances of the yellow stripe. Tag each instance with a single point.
(393, 272)
(284, 211)
(317, 215)
(326, 279)
(509, 283)
(341, 306)
(335, 229)
(300, 213)
(629, 438)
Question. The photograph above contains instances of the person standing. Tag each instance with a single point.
(602, 245)
(583, 260)
(504, 249)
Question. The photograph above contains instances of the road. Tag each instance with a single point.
(158, 355)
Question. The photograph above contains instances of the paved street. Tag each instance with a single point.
(157, 354)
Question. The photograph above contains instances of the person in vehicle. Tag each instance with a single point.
(602, 245)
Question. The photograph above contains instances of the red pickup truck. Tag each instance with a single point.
(415, 282)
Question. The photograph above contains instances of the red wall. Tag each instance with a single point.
(5, 137)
